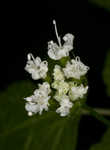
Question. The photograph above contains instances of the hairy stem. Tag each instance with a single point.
(97, 113)
(102, 111)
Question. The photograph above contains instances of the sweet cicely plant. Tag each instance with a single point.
(64, 83)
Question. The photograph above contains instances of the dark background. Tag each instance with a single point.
(27, 28)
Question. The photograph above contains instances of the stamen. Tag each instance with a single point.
(58, 38)
(31, 56)
(77, 58)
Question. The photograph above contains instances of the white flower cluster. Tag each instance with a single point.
(39, 101)
(67, 91)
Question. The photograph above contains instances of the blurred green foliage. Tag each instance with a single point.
(102, 3)
(104, 143)
(20, 132)
(106, 73)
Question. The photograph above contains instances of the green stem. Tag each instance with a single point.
(97, 113)
(102, 111)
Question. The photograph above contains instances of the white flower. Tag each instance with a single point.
(75, 69)
(37, 68)
(57, 52)
(39, 101)
(57, 73)
(65, 106)
(76, 92)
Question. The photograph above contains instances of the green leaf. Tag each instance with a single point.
(106, 73)
(20, 132)
(104, 143)
(102, 3)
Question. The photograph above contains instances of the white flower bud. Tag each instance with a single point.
(57, 73)
(61, 86)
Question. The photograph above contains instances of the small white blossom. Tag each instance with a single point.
(57, 73)
(57, 52)
(76, 92)
(65, 106)
(75, 69)
(37, 68)
(39, 101)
